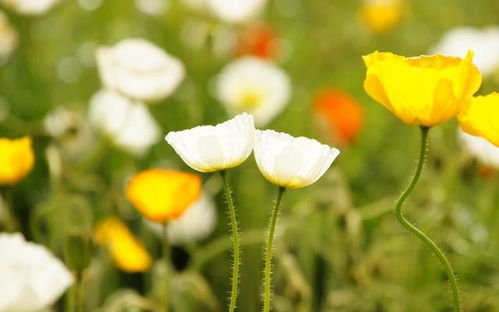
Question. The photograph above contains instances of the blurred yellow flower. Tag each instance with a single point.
(127, 251)
(381, 16)
(162, 195)
(425, 90)
(16, 159)
(481, 117)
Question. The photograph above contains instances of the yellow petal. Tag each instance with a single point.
(425, 90)
(162, 195)
(481, 117)
(128, 253)
(16, 159)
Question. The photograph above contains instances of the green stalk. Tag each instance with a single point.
(166, 258)
(235, 242)
(268, 251)
(74, 301)
(417, 232)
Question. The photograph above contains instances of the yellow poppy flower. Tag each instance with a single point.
(162, 195)
(16, 159)
(423, 91)
(481, 117)
(381, 16)
(127, 251)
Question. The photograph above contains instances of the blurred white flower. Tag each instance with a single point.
(139, 69)
(229, 11)
(59, 121)
(484, 151)
(127, 123)
(153, 7)
(30, 7)
(214, 148)
(31, 278)
(235, 11)
(483, 42)
(90, 5)
(71, 129)
(8, 38)
(198, 221)
(253, 85)
(291, 162)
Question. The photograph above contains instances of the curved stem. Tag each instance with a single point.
(166, 258)
(417, 232)
(235, 242)
(268, 251)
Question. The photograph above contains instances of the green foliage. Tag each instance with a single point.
(337, 245)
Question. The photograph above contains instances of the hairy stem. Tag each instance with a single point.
(417, 232)
(166, 259)
(235, 242)
(268, 251)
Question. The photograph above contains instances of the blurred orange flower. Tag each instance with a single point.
(161, 195)
(381, 16)
(341, 114)
(16, 159)
(258, 39)
(127, 251)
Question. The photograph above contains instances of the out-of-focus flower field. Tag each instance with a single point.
(90, 189)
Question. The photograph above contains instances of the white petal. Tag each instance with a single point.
(269, 85)
(37, 278)
(486, 152)
(30, 7)
(291, 162)
(139, 69)
(8, 38)
(483, 42)
(235, 11)
(127, 123)
(214, 148)
(196, 223)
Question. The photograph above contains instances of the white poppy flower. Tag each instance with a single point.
(486, 152)
(253, 85)
(483, 42)
(8, 38)
(291, 162)
(127, 123)
(31, 278)
(198, 221)
(229, 11)
(214, 148)
(139, 69)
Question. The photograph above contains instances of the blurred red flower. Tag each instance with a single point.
(340, 115)
(258, 39)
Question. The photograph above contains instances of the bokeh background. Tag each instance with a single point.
(338, 247)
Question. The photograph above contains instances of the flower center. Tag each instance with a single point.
(250, 99)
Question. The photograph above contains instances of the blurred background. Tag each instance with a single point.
(295, 64)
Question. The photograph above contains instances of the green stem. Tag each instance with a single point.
(235, 242)
(268, 251)
(74, 296)
(417, 232)
(166, 259)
